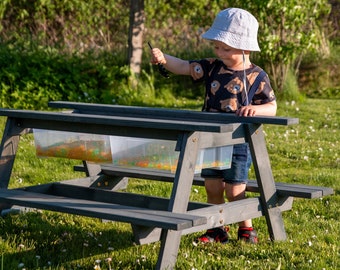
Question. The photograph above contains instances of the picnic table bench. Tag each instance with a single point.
(118, 176)
(152, 218)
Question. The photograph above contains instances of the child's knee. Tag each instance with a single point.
(214, 187)
(235, 192)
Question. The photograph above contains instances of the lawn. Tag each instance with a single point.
(307, 153)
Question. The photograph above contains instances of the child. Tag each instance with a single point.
(228, 79)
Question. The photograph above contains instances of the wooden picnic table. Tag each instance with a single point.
(152, 218)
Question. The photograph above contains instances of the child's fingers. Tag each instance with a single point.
(157, 56)
(246, 111)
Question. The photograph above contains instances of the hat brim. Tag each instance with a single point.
(232, 39)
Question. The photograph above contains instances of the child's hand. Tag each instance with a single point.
(157, 57)
(246, 111)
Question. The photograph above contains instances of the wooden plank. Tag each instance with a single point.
(117, 212)
(179, 198)
(265, 180)
(162, 113)
(100, 181)
(8, 150)
(36, 119)
(228, 213)
(283, 189)
(75, 189)
(295, 190)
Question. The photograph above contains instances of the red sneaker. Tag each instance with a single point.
(215, 235)
(248, 234)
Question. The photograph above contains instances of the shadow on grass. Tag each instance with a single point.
(38, 240)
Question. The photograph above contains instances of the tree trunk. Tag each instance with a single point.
(136, 31)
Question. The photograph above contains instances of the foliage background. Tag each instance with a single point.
(73, 50)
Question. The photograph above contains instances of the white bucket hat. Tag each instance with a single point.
(235, 27)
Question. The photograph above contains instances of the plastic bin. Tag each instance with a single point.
(124, 151)
(161, 154)
(144, 153)
(72, 145)
(217, 157)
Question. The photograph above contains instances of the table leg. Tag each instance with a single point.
(8, 150)
(179, 199)
(167, 257)
(265, 180)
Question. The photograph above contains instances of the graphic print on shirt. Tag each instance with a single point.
(215, 86)
(229, 105)
(196, 71)
(235, 86)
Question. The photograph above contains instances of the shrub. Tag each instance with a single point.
(31, 78)
(290, 89)
(318, 76)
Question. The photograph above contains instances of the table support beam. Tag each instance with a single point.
(265, 180)
(8, 149)
(179, 199)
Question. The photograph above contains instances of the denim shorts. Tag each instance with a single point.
(238, 172)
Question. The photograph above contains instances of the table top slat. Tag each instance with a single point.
(164, 113)
(123, 121)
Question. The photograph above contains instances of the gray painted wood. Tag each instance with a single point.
(175, 215)
(163, 113)
(283, 189)
(103, 124)
(179, 198)
(110, 211)
(8, 150)
(265, 180)
(217, 215)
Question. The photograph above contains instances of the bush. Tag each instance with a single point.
(318, 77)
(31, 78)
(290, 89)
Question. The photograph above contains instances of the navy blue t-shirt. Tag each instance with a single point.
(225, 87)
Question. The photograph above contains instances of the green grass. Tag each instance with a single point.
(307, 153)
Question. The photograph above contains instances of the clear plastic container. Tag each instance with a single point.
(144, 153)
(161, 154)
(72, 145)
(124, 151)
(217, 157)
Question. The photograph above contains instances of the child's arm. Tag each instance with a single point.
(268, 109)
(171, 63)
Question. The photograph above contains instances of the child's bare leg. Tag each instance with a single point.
(235, 192)
(215, 195)
(215, 190)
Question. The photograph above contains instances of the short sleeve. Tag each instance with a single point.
(199, 69)
(264, 93)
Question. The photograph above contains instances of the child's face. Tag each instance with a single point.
(231, 57)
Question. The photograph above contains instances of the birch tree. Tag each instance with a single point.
(136, 31)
